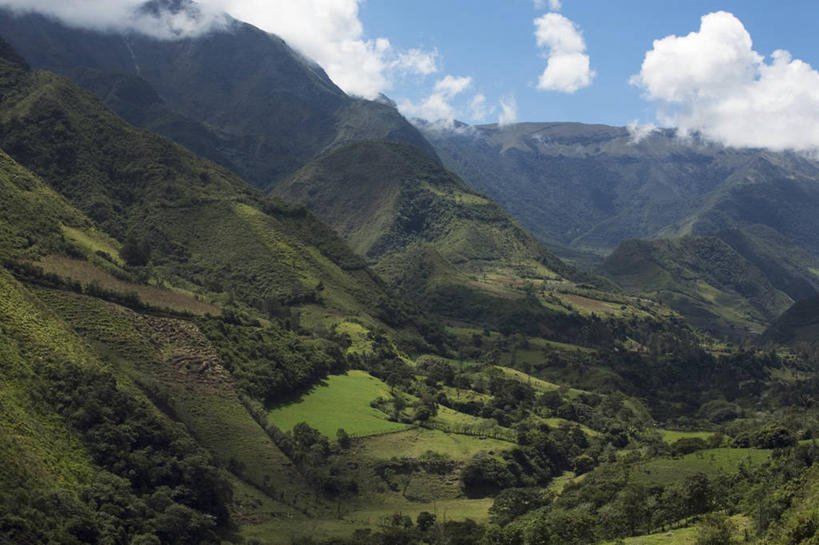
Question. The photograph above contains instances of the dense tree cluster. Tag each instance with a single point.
(155, 485)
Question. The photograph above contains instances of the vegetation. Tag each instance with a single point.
(183, 360)
(704, 279)
(350, 397)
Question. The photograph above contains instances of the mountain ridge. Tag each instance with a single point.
(263, 118)
(590, 186)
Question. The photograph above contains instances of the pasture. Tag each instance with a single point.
(340, 401)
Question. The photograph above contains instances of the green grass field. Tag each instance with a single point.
(93, 241)
(539, 385)
(415, 442)
(556, 422)
(683, 536)
(284, 530)
(670, 436)
(456, 422)
(341, 401)
(712, 462)
(358, 337)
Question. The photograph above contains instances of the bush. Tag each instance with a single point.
(486, 475)
(687, 445)
(135, 252)
(715, 529)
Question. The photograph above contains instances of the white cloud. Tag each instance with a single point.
(509, 111)
(327, 31)
(567, 66)
(452, 85)
(554, 5)
(331, 33)
(638, 133)
(437, 106)
(479, 111)
(714, 83)
(417, 61)
(125, 15)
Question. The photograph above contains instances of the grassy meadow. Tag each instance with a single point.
(340, 401)
(712, 462)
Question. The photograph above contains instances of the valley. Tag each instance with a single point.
(266, 312)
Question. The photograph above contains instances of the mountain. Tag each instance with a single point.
(205, 93)
(186, 360)
(735, 282)
(135, 185)
(423, 229)
(703, 278)
(236, 95)
(589, 187)
(151, 305)
(800, 323)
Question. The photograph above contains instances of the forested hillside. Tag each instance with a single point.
(375, 354)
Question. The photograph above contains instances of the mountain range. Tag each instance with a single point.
(237, 96)
(240, 306)
(585, 189)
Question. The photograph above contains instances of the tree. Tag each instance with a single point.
(715, 529)
(135, 251)
(484, 475)
(343, 438)
(514, 502)
(583, 464)
(697, 494)
(425, 520)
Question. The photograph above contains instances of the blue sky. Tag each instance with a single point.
(492, 41)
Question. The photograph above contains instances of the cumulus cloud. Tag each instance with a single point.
(327, 31)
(712, 82)
(567, 66)
(331, 33)
(509, 111)
(417, 61)
(160, 22)
(452, 85)
(438, 106)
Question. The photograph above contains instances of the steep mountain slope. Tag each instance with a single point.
(383, 197)
(592, 186)
(237, 95)
(800, 323)
(737, 280)
(112, 396)
(703, 278)
(423, 228)
(204, 227)
(787, 267)
(155, 311)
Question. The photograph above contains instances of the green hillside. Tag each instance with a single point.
(73, 438)
(702, 278)
(204, 229)
(787, 266)
(427, 233)
(184, 360)
(800, 323)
